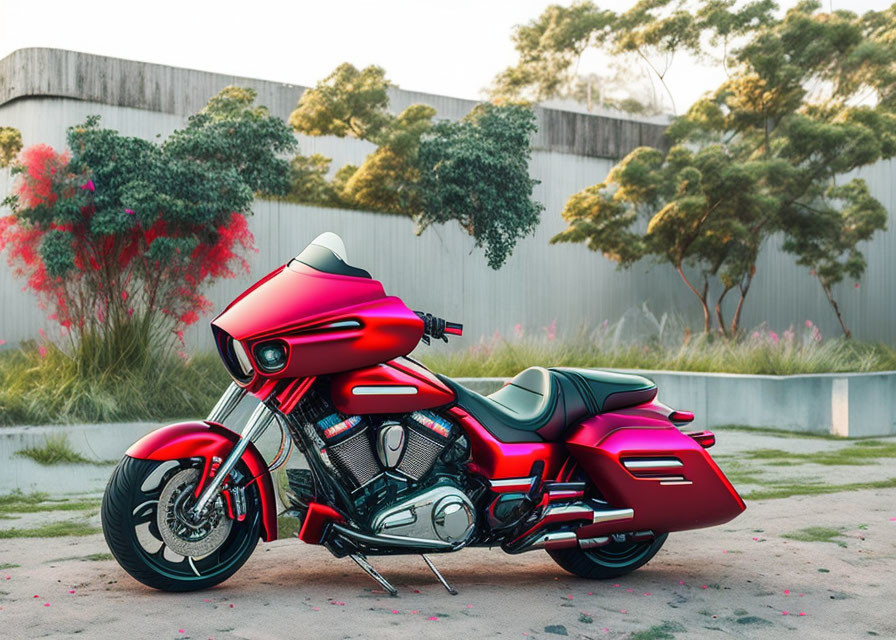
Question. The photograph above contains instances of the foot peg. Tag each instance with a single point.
(361, 561)
(444, 582)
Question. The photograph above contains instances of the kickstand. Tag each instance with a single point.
(444, 582)
(361, 561)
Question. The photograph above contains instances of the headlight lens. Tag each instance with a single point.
(271, 356)
(242, 357)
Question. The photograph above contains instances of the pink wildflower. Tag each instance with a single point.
(808, 324)
(552, 330)
(42, 350)
(88, 186)
(773, 336)
(518, 330)
(130, 212)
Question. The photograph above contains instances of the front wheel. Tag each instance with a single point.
(147, 532)
(611, 561)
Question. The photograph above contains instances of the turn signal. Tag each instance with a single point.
(704, 438)
(679, 418)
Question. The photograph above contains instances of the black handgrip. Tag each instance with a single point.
(438, 328)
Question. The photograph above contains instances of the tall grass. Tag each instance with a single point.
(42, 384)
(658, 345)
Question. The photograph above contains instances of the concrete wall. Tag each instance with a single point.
(44, 91)
(847, 405)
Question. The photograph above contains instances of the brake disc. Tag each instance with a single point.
(178, 533)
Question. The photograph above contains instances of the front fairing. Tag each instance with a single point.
(329, 323)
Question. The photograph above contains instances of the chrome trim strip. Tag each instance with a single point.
(509, 483)
(670, 483)
(343, 324)
(652, 463)
(576, 509)
(385, 390)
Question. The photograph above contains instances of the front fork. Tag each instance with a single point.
(262, 417)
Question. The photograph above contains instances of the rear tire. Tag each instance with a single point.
(614, 560)
(131, 529)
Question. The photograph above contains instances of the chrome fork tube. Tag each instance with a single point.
(259, 421)
(227, 403)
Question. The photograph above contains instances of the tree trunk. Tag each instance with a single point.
(702, 297)
(744, 290)
(719, 317)
(827, 291)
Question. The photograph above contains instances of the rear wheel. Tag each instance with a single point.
(145, 526)
(615, 559)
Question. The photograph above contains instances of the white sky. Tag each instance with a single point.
(449, 47)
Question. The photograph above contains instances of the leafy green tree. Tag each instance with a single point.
(10, 145)
(809, 99)
(348, 102)
(476, 172)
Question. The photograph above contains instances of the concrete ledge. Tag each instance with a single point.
(843, 404)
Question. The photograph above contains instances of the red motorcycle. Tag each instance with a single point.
(582, 463)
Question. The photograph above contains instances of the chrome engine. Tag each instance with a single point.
(442, 513)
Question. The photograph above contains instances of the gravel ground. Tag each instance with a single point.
(740, 580)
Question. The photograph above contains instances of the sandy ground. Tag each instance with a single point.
(740, 580)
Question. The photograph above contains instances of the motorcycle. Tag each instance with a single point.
(584, 464)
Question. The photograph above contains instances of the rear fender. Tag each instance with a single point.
(684, 489)
(208, 440)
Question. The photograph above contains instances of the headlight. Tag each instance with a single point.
(271, 356)
(242, 357)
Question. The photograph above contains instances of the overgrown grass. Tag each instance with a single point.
(18, 502)
(51, 530)
(816, 534)
(56, 449)
(861, 453)
(54, 388)
(502, 357)
(774, 490)
(664, 631)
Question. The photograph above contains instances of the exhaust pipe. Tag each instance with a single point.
(564, 538)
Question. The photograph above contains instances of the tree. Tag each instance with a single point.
(476, 172)
(119, 235)
(650, 33)
(10, 145)
(348, 102)
(808, 100)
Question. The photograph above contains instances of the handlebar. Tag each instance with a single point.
(438, 328)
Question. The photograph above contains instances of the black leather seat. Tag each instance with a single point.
(539, 404)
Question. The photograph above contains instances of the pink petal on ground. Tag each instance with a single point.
(569, 596)
(394, 610)
(681, 582)
(802, 613)
(630, 590)
(623, 611)
(802, 594)
(785, 613)
(181, 631)
(756, 539)
(724, 550)
(615, 585)
(590, 593)
(206, 599)
(231, 606)
(606, 629)
(415, 611)
(891, 519)
(416, 590)
(647, 593)
(338, 604)
(704, 587)
(46, 604)
(71, 590)
(469, 606)
(786, 592)
(433, 618)
(315, 608)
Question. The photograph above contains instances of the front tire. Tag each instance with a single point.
(611, 561)
(134, 530)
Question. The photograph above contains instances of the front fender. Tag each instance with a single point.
(207, 440)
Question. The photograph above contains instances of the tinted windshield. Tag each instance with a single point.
(327, 253)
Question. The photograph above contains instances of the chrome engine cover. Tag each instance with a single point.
(443, 513)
